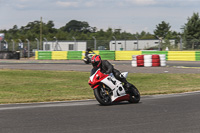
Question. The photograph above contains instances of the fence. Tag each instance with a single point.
(103, 45)
(103, 50)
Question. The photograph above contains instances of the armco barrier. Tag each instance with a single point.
(197, 55)
(126, 55)
(44, 55)
(107, 55)
(59, 55)
(74, 55)
(181, 55)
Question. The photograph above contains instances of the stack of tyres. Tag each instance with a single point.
(155, 60)
(140, 60)
(162, 59)
(134, 61)
(147, 60)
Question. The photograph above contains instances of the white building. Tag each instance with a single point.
(134, 44)
(64, 46)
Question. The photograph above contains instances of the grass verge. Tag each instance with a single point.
(22, 86)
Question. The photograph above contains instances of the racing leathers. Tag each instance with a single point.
(108, 68)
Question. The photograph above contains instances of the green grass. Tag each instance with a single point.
(22, 86)
(164, 83)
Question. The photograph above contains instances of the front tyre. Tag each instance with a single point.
(102, 96)
(135, 95)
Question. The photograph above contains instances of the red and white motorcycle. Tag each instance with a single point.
(107, 89)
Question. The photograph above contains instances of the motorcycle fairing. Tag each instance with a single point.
(116, 86)
(125, 74)
(92, 77)
(96, 78)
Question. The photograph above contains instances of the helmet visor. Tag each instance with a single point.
(95, 64)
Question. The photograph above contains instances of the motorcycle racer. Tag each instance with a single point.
(88, 50)
(107, 68)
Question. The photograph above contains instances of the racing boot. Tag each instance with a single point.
(129, 88)
(126, 85)
(134, 91)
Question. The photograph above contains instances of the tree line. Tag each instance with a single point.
(81, 30)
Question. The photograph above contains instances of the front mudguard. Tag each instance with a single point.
(96, 86)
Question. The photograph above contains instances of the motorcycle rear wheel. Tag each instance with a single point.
(102, 97)
(134, 98)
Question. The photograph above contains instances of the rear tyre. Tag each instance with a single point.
(135, 95)
(102, 96)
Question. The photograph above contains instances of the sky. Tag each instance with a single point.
(128, 15)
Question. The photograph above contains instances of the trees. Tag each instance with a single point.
(79, 26)
(162, 29)
(192, 32)
(81, 30)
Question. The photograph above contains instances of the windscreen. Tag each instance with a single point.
(93, 71)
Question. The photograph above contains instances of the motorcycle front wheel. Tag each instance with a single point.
(102, 96)
(135, 97)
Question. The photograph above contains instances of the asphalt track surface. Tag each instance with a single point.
(176, 113)
(78, 65)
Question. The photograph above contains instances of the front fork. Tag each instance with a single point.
(104, 93)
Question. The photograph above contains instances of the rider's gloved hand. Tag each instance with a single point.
(107, 72)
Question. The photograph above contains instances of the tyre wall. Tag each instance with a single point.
(107, 55)
(153, 60)
(59, 55)
(117, 55)
(156, 52)
(126, 55)
(197, 55)
(71, 55)
(74, 55)
(182, 55)
(43, 55)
